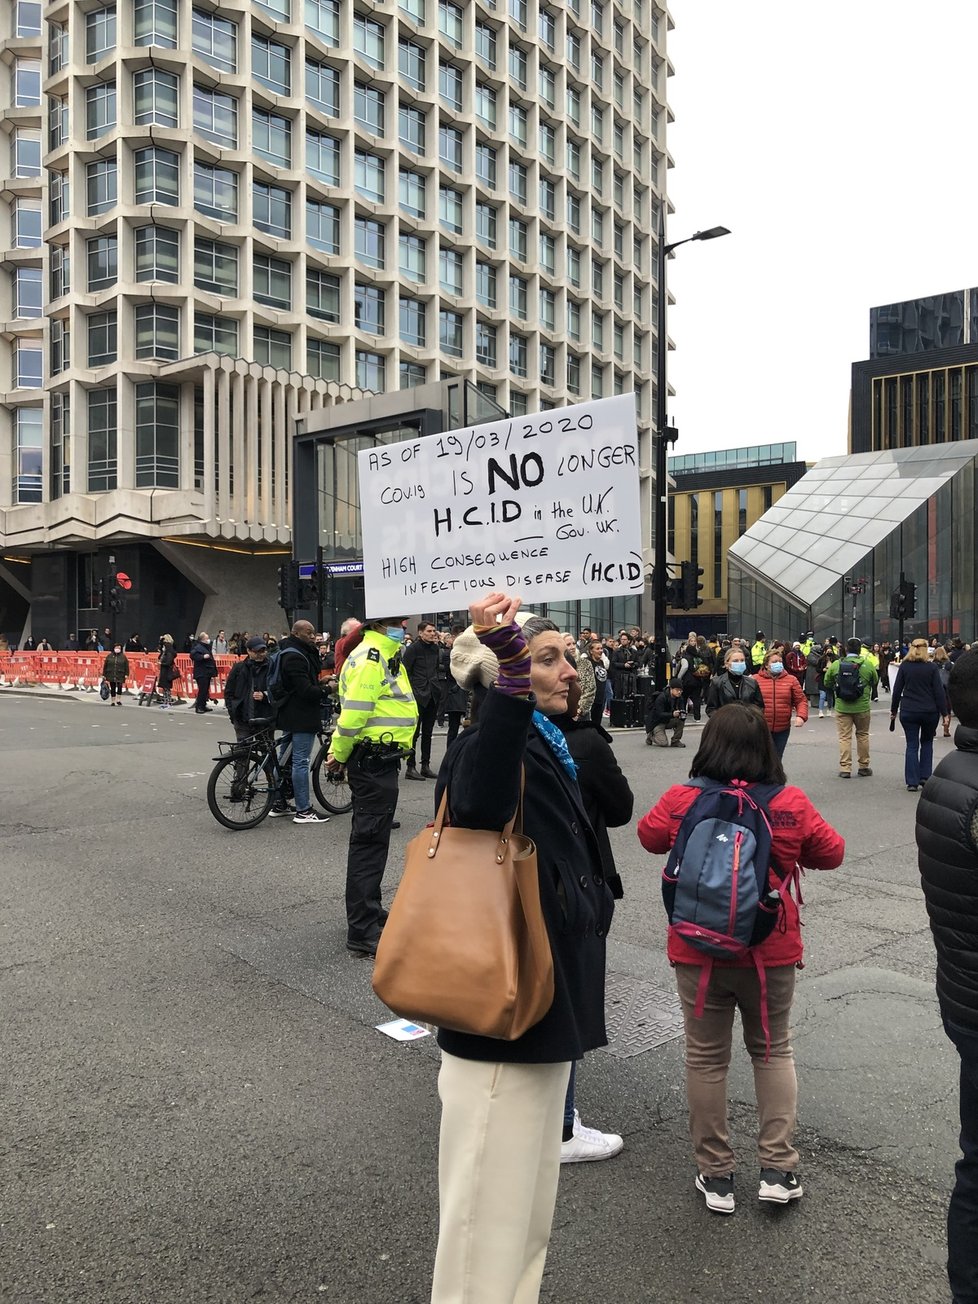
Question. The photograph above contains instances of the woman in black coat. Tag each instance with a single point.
(919, 697)
(732, 685)
(503, 1101)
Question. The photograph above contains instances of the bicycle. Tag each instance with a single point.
(252, 774)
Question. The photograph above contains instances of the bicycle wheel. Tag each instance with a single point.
(239, 800)
(332, 793)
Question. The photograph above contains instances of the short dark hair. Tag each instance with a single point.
(962, 689)
(854, 645)
(737, 744)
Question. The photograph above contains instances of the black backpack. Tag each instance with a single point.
(849, 685)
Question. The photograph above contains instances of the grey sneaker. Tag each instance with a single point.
(717, 1191)
(779, 1188)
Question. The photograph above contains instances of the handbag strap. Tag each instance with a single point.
(516, 821)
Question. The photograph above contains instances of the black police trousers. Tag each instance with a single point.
(374, 792)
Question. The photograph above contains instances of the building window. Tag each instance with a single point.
(371, 371)
(485, 285)
(411, 128)
(450, 333)
(548, 367)
(273, 348)
(102, 258)
(368, 244)
(155, 97)
(450, 271)
(369, 304)
(368, 40)
(59, 261)
(216, 267)
(322, 295)
(548, 87)
(323, 157)
(518, 12)
(215, 40)
(548, 143)
(413, 8)
(368, 108)
(157, 176)
(323, 226)
(272, 209)
(322, 17)
(412, 261)
(271, 64)
(518, 354)
(485, 225)
(485, 45)
(548, 199)
(449, 85)
(368, 173)
(57, 122)
(100, 35)
(103, 346)
(60, 445)
(450, 210)
(215, 192)
(272, 281)
(281, 10)
(155, 23)
(157, 254)
(27, 83)
(323, 87)
(157, 436)
(102, 439)
(485, 106)
(25, 152)
(101, 186)
(485, 344)
(518, 125)
(27, 18)
(411, 64)
(60, 339)
(100, 114)
(26, 224)
(59, 192)
(548, 309)
(450, 22)
(517, 66)
(272, 137)
(450, 148)
(518, 239)
(322, 359)
(573, 374)
(411, 193)
(518, 183)
(28, 292)
(412, 322)
(157, 331)
(216, 116)
(215, 334)
(28, 455)
(412, 374)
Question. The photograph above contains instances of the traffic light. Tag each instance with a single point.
(308, 594)
(117, 600)
(690, 585)
(288, 586)
(903, 601)
(674, 593)
(103, 595)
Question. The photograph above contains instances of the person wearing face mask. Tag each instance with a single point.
(205, 669)
(733, 683)
(374, 733)
(784, 703)
(115, 672)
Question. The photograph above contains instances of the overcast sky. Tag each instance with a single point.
(836, 141)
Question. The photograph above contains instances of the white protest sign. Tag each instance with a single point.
(546, 506)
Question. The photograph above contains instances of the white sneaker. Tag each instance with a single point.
(309, 817)
(588, 1143)
(821, 715)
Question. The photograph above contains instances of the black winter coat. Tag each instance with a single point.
(454, 699)
(303, 711)
(420, 660)
(608, 799)
(167, 674)
(482, 771)
(918, 691)
(246, 678)
(947, 854)
(205, 667)
(726, 688)
(660, 709)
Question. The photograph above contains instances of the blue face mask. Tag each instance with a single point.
(396, 633)
(775, 667)
(737, 667)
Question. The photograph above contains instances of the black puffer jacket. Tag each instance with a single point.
(726, 687)
(947, 853)
(482, 770)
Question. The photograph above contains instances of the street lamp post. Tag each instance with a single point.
(659, 577)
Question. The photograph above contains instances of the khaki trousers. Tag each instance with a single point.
(498, 1165)
(844, 723)
(708, 1048)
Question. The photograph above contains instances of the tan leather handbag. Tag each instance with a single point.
(465, 946)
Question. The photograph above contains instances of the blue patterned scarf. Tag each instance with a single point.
(556, 741)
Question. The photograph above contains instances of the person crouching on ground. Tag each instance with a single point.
(664, 715)
(737, 747)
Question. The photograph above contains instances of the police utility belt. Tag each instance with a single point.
(377, 756)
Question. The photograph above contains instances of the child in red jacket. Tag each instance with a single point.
(737, 745)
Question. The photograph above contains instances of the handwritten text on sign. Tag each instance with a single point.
(544, 505)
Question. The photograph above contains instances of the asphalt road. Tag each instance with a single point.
(195, 1105)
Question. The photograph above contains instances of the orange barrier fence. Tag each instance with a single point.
(83, 670)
